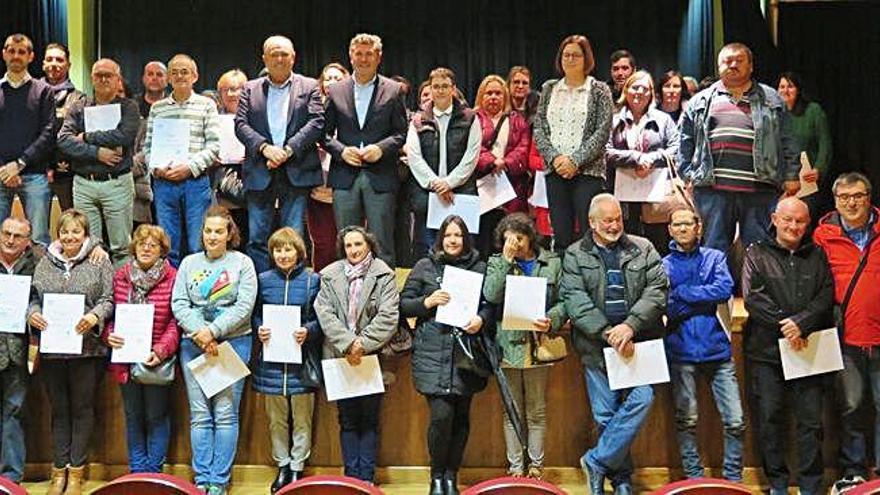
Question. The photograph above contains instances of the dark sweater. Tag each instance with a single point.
(83, 153)
(27, 115)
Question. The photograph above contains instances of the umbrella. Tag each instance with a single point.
(488, 346)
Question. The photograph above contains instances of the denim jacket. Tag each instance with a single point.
(775, 151)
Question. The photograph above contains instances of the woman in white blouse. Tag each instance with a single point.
(571, 129)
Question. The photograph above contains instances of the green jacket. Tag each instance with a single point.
(517, 345)
(583, 291)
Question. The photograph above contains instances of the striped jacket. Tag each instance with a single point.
(204, 129)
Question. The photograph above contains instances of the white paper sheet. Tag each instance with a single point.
(62, 312)
(539, 191)
(231, 149)
(651, 189)
(822, 355)
(807, 188)
(102, 117)
(646, 366)
(15, 291)
(282, 346)
(464, 288)
(463, 205)
(134, 323)
(494, 191)
(170, 142)
(724, 313)
(524, 302)
(343, 381)
(215, 373)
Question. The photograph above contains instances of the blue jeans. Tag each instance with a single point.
(179, 206)
(725, 389)
(261, 216)
(13, 381)
(860, 377)
(359, 434)
(213, 422)
(721, 210)
(147, 425)
(619, 415)
(36, 198)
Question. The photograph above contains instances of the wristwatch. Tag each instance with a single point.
(21, 164)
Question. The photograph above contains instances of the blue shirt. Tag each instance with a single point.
(859, 236)
(277, 104)
(363, 93)
(615, 299)
(527, 266)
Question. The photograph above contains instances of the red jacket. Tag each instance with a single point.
(516, 156)
(862, 319)
(166, 336)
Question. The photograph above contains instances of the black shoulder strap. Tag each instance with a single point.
(496, 131)
(852, 283)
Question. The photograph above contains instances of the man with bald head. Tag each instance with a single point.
(788, 292)
(100, 158)
(155, 81)
(280, 118)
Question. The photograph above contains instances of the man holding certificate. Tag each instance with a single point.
(98, 136)
(183, 140)
(614, 289)
(788, 290)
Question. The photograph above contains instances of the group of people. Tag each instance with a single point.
(327, 156)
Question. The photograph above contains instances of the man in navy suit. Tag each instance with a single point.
(366, 127)
(280, 118)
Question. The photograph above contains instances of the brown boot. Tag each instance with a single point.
(75, 477)
(59, 478)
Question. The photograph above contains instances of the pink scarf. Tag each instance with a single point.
(355, 275)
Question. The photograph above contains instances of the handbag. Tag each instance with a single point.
(469, 355)
(310, 373)
(161, 374)
(548, 348)
(676, 197)
(401, 342)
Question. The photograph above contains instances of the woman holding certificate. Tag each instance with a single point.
(357, 307)
(288, 384)
(214, 295)
(71, 297)
(146, 279)
(448, 389)
(521, 255)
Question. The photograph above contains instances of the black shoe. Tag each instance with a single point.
(296, 476)
(451, 486)
(285, 476)
(437, 487)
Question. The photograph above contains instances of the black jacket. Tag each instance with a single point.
(779, 284)
(434, 348)
(13, 346)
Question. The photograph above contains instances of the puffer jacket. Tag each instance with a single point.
(297, 288)
(698, 281)
(516, 344)
(13, 346)
(434, 348)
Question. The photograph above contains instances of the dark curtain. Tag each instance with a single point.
(836, 48)
(696, 47)
(744, 22)
(474, 38)
(43, 21)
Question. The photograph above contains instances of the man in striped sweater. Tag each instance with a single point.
(181, 188)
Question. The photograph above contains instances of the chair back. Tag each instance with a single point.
(329, 485)
(509, 485)
(148, 484)
(703, 486)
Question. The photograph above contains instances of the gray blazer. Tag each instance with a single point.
(378, 309)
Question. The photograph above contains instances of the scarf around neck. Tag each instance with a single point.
(355, 275)
(142, 282)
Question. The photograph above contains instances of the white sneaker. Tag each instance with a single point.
(846, 484)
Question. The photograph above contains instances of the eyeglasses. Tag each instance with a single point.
(103, 75)
(677, 225)
(14, 236)
(441, 87)
(855, 197)
(574, 55)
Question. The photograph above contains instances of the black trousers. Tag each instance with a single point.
(359, 434)
(569, 201)
(448, 433)
(72, 385)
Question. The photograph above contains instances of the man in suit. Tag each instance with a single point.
(280, 118)
(366, 127)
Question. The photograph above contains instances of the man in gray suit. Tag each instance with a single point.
(366, 126)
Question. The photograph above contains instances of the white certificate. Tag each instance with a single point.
(651, 189)
(62, 312)
(464, 288)
(646, 366)
(807, 188)
(343, 381)
(822, 355)
(15, 293)
(494, 191)
(524, 302)
(102, 117)
(215, 373)
(170, 142)
(134, 323)
(231, 149)
(282, 346)
(539, 191)
(463, 205)
(724, 313)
